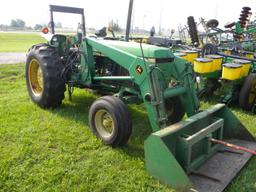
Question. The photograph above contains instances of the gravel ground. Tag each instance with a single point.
(12, 58)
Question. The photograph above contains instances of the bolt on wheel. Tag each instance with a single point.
(104, 123)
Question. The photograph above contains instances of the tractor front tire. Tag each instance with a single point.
(247, 96)
(43, 76)
(110, 121)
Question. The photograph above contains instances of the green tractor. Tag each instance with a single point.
(180, 152)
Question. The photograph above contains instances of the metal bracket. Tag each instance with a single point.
(192, 142)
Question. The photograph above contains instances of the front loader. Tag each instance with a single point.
(180, 152)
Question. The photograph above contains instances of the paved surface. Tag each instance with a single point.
(12, 58)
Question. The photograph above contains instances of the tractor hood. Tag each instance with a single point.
(149, 51)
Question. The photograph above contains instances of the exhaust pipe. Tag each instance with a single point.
(128, 24)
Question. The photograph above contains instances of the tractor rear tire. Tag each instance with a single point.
(110, 121)
(247, 96)
(43, 76)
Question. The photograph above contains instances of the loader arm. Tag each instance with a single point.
(145, 75)
(129, 62)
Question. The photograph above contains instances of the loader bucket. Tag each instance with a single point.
(183, 156)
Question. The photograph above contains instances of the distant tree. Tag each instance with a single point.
(115, 26)
(13, 23)
(38, 27)
(21, 23)
(18, 23)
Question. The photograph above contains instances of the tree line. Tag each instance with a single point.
(19, 24)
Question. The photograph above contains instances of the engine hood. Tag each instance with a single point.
(149, 51)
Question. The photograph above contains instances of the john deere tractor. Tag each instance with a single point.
(186, 154)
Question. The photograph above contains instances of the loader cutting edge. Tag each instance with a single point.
(183, 156)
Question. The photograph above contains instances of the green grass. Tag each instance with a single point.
(15, 42)
(54, 150)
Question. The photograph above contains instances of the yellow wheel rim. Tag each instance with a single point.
(35, 77)
(104, 123)
(252, 94)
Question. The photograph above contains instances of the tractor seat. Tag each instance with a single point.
(230, 24)
(102, 32)
(212, 23)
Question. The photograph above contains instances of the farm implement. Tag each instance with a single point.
(225, 67)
